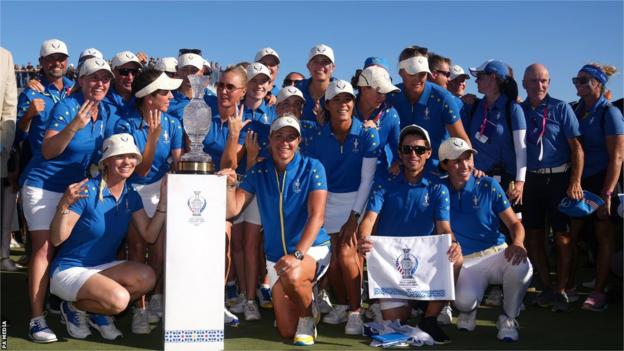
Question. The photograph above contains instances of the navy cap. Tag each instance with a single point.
(583, 207)
(492, 66)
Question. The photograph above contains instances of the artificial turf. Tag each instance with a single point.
(539, 329)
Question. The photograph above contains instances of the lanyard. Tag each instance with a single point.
(484, 122)
(541, 135)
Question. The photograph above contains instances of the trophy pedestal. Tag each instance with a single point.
(195, 167)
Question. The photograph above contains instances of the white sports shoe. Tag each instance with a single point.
(374, 312)
(467, 321)
(230, 318)
(337, 315)
(105, 325)
(75, 320)
(507, 328)
(140, 323)
(239, 306)
(446, 315)
(38, 331)
(252, 312)
(306, 332)
(155, 308)
(323, 302)
(354, 324)
(495, 297)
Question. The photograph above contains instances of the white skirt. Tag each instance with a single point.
(39, 207)
(337, 210)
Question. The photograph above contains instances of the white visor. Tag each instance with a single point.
(163, 82)
(415, 65)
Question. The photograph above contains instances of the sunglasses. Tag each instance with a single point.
(189, 51)
(126, 71)
(289, 82)
(447, 74)
(228, 87)
(418, 149)
(581, 80)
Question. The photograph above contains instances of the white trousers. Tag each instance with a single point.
(479, 272)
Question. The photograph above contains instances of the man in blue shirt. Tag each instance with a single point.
(409, 204)
(126, 67)
(555, 165)
(477, 206)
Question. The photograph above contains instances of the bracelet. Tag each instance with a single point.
(62, 211)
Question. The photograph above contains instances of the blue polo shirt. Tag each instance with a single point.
(474, 214)
(435, 109)
(407, 209)
(170, 139)
(561, 126)
(39, 122)
(498, 149)
(388, 126)
(84, 149)
(102, 226)
(214, 142)
(283, 202)
(595, 129)
(179, 102)
(123, 107)
(264, 113)
(343, 162)
(308, 106)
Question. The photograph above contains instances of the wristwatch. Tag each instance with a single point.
(298, 255)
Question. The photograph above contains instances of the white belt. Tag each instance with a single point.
(492, 250)
(552, 170)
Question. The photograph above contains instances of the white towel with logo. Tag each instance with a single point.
(411, 268)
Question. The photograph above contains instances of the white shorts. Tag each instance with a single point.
(66, 283)
(150, 195)
(322, 256)
(388, 304)
(39, 207)
(337, 210)
(251, 214)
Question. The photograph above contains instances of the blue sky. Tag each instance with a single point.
(563, 35)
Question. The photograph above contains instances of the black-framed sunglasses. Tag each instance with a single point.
(126, 71)
(418, 149)
(447, 74)
(189, 51)
(289, 82)
(581, 80)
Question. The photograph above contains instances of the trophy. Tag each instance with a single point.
(197, 120)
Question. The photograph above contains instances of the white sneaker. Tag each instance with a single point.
(230, 318)
(38, 331)
(155, 308)
(374, 312)
(495, 297)
(140, 322)
(507, 328)
(337, 315)
(467, 321)
(446, 315)
(264, 296)
(306, 332)
(75, 320)
(239, 306)
(105, 325)
(354, 324)
(252, 312)
(323, 302)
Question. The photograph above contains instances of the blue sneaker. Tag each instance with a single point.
(105, 325)
(231, 294)
(38, 331)
(264, 296)
(75, 320)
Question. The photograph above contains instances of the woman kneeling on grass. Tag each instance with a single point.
(291, 191)
(90, 223)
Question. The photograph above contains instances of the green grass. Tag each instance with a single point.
(539, 329)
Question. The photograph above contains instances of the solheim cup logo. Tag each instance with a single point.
(197, 205)
(406, 264)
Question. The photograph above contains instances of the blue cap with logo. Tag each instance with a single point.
(581, 208)
(376, 61)
(492, 66)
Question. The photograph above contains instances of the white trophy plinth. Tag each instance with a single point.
(195, 262)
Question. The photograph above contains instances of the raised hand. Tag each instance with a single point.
(236, 123)
(83, 116)
(153, 123)
(73, 193)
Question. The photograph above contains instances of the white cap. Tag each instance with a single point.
(52, 46)
(166, 64)
(124, 57)
(93, 65)
(322, 49)
(336, 87)
(413, 128)
(163, 82)
(190, 59)
(457, 71)
(415, 65)
(257, 68)
(377, 78)
(452, 148)
(287, 92)
(266, 52)
(119, 144)
(92, 52)
(285, 121)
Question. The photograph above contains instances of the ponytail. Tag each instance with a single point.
(356, 78)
